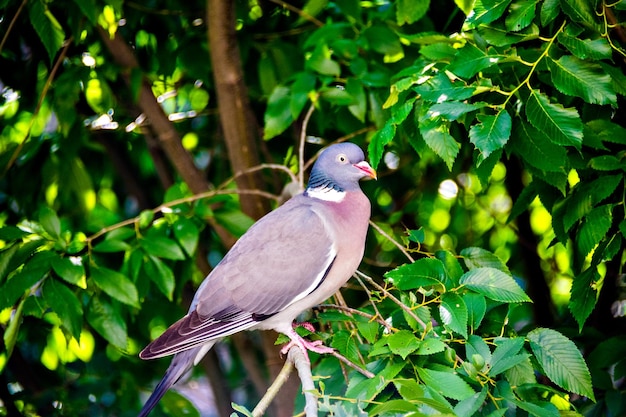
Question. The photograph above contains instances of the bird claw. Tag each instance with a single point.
(304, 345)
(306, 325)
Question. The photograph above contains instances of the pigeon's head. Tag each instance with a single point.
(340, 167)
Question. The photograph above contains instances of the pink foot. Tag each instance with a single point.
(304, 345)
(304, 324)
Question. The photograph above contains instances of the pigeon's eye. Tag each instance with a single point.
(342, 159)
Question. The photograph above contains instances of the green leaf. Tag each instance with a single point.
(492, 133)
(470, 60)
(494, 284)
(486, 11)
(522, 373)
(320, 61)
(584, 295)
(111, 245)
(448, 384)
(162, 247)
(549, 11)
(50, 222)
(521, 15)
(595, 49)
(440, 141)
(378, 142)
(537, 149)
(48, 29)
(345, 342)
(11, 233)
(453, 313)
(410, 11)
(187, 234)
(561, 361)
(278, 116)
(477, 346)
(425, 272)
(587, 80)
(452, 268)
(469, 406)
(581, 11)
(593, 229)
(562, 125)
(476, 309)
(66, 304)
(430, 346)
(507, 355)
(71, 269)
(303, 85)
(22, 281)
(439, 89)
(606, 163)
(452, 110)
(403, 343)
(412, 390)
(369, 330)
(394, 407)
(585, 196)
(497, 35)
(115, 284)
(12, 330)
(161, 275)
(383, 40)
(177, 405)
(107, 321)
(359, 106)
(475, 257)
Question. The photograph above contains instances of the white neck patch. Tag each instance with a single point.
(326, 194)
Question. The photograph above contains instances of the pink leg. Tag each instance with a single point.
(304, 345)
(304, 324)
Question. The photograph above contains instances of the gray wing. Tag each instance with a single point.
(281, 259)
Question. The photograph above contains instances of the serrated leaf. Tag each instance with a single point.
(108, 322)
(492, 133)
(470, 60)
(486, 11)
(584, 295)
(469, 406)
(585, 196)
(162, 247)
(115, 284)
(448, 384)
(439, 89)
(453, 313)
(403, 343)
(561, 361)
(587, 80)
(430, 346)
(581, 11)
(596, 49)
(369, 330)
(187, 234)
(65, 304)
(476, 309)
(48, 29)
(70, 269)
(494, 284)
(606, 163)
(593, 229)
(425, 272)
(452, 110)
(496, 34)
(522, 373)
(475, 257)
(452, 268)
(549, 11)
(521, 15)
(507, 355)
(537, 149)
(161, 275)
(440, 141)
(345, 343)
(562, 125)
(476, 345)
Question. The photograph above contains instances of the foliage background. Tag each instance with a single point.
(497, 127)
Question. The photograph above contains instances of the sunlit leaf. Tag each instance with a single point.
(494, 284)
(448, 384)
(492, 133)
(470, 60)
(410, 11)
(403, 343)
(486, 11)
(584, 79)
(425, 272)
(561, 360)
(521, 14)
(115, 284)
(586, 48)
(453, 313)
(562, 125)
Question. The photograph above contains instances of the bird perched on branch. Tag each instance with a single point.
(290, 260)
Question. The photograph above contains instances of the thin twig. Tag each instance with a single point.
(272, 391)
(392, 240)
(300, 12)
(392, 298)
(305, 124)
(11, 24)
(42, 96)
(377, 318)
(353, 365)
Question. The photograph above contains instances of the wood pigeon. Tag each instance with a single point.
(290, 260)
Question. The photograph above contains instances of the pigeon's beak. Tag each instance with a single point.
(367, 169)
